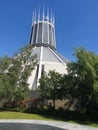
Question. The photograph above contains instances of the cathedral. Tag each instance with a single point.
(43, 40)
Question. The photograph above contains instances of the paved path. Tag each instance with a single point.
(63, 125)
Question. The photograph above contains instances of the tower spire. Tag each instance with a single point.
(34, 16)
(47, 14)
(43, 15)
(39, 14)
(43, 30)
(43, 41)
(51, 16)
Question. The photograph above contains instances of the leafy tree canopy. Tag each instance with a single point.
(14, 73)
(84, 75)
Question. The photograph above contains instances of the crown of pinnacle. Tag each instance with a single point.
(43, 29)
(41, 16)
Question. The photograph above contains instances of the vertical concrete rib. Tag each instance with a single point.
(38, 26)
(54, 38)
(40, 65)
(43, 27)
(37, 32)
(48, 31)
(48, 23)
(32, 41)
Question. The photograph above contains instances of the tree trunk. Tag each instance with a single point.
(54, 103)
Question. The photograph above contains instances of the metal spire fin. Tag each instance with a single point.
(33, 18)
(35, 15)
(43, 14)
(47, 14)
(51, 16)
(39, 15)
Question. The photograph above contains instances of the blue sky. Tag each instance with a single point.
(76, 24)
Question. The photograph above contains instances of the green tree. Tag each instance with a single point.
(84, 77)
(50, 86)
(14, 73)
(5, 90)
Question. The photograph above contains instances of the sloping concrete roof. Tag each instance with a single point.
(49, 55)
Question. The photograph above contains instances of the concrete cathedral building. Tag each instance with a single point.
(44, 46)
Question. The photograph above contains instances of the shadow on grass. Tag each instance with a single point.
(63, 115)
(68, 116)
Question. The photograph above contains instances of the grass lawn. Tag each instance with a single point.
(18, 115)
